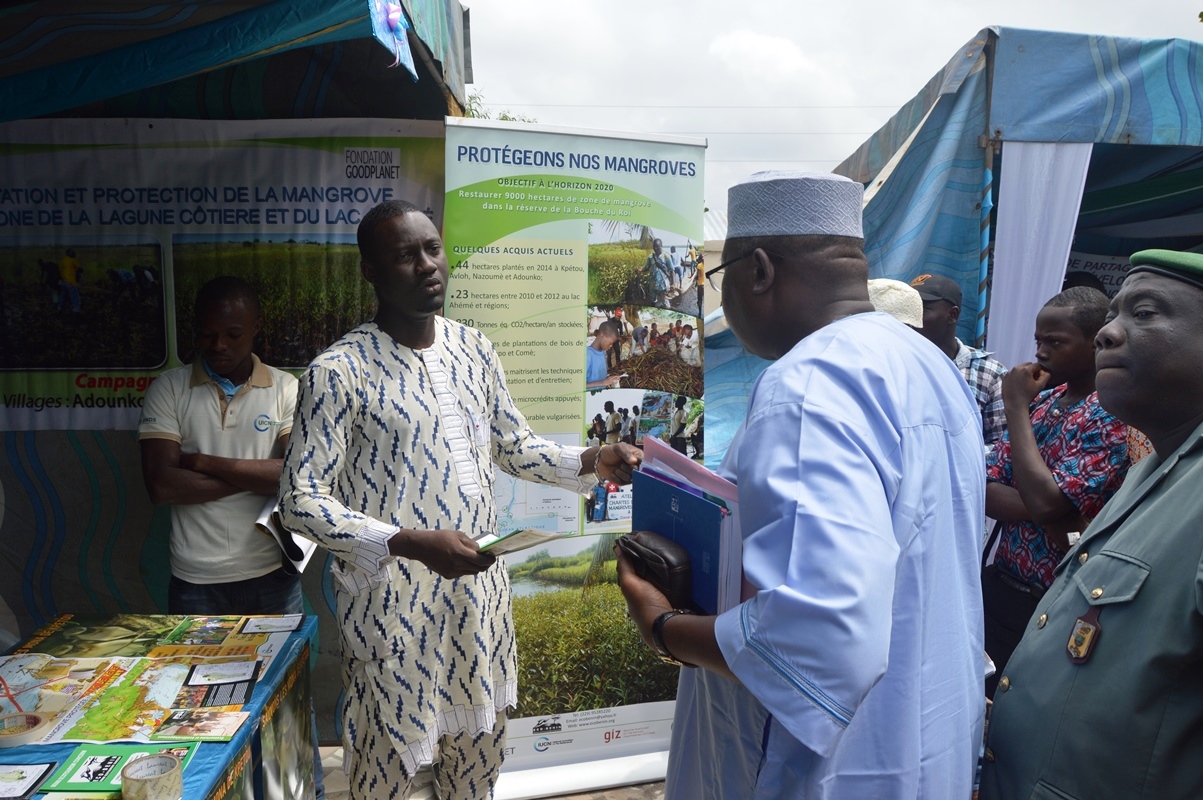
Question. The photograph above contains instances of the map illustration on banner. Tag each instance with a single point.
(576, 253)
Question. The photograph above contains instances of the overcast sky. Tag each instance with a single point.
(771, 84)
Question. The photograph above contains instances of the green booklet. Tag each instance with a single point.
(95, 769)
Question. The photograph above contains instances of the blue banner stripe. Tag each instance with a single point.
(60, 523)
(118, 523)
(39, 528)
(93, 521)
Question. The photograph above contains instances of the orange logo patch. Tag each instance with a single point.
(922, 279)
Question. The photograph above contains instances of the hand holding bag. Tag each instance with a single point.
(661, 562)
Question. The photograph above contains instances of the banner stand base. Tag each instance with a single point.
(527, 784)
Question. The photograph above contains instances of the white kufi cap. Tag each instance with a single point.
(900, 300)
(792, 203)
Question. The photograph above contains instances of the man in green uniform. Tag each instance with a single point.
(1104, 695)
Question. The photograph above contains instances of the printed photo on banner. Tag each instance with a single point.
(570, 616)
(612, 416)
(640, 265)
(675, 420)
(82, 303)
(310, 288)
(643, 347)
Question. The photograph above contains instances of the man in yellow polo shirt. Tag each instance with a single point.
(213, 435)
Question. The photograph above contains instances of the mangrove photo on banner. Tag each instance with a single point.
(644, 347)
(649, 268)
(574, 636)
(310, 288)
(82, 303)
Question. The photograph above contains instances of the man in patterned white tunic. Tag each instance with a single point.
(390, 467)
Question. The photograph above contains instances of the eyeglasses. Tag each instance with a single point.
(711, 273)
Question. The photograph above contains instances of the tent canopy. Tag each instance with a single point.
(933, 170)
(56, 57)
(1027, 146)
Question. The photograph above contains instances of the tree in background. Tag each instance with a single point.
(475, 107)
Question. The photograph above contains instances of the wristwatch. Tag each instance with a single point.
(658, 638)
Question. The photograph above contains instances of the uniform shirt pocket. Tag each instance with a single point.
(1111, 577)
(1044, 791)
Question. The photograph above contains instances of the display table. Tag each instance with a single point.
(271, 754)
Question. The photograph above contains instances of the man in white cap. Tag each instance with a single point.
(853, 667)
(898, 299)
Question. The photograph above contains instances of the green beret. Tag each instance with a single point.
(1185, 267)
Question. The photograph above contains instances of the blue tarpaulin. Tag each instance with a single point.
(931, 171)
(928, 170)
(60, 56)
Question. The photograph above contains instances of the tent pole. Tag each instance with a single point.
(986, 205)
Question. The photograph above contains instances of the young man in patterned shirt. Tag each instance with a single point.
(391, 468)
(1062, 458)
(941, 312)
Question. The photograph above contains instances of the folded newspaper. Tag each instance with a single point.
(296, 549)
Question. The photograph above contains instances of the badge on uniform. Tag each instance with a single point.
(1085, 636)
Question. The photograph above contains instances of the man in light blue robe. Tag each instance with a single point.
(853, 667)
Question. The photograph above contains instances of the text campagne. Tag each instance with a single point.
(138, 383)
(100, 385)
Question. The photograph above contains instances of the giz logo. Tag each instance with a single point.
(610, 736)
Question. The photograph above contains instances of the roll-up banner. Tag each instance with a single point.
(576, 252)
(107, 229)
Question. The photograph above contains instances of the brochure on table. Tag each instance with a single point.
(22, 780)
(117, 678)
(96, 768)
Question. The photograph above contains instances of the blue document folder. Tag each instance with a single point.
(691, 521)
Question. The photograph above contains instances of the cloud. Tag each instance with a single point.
(758, 55)
(776, 69)
(771, 83)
